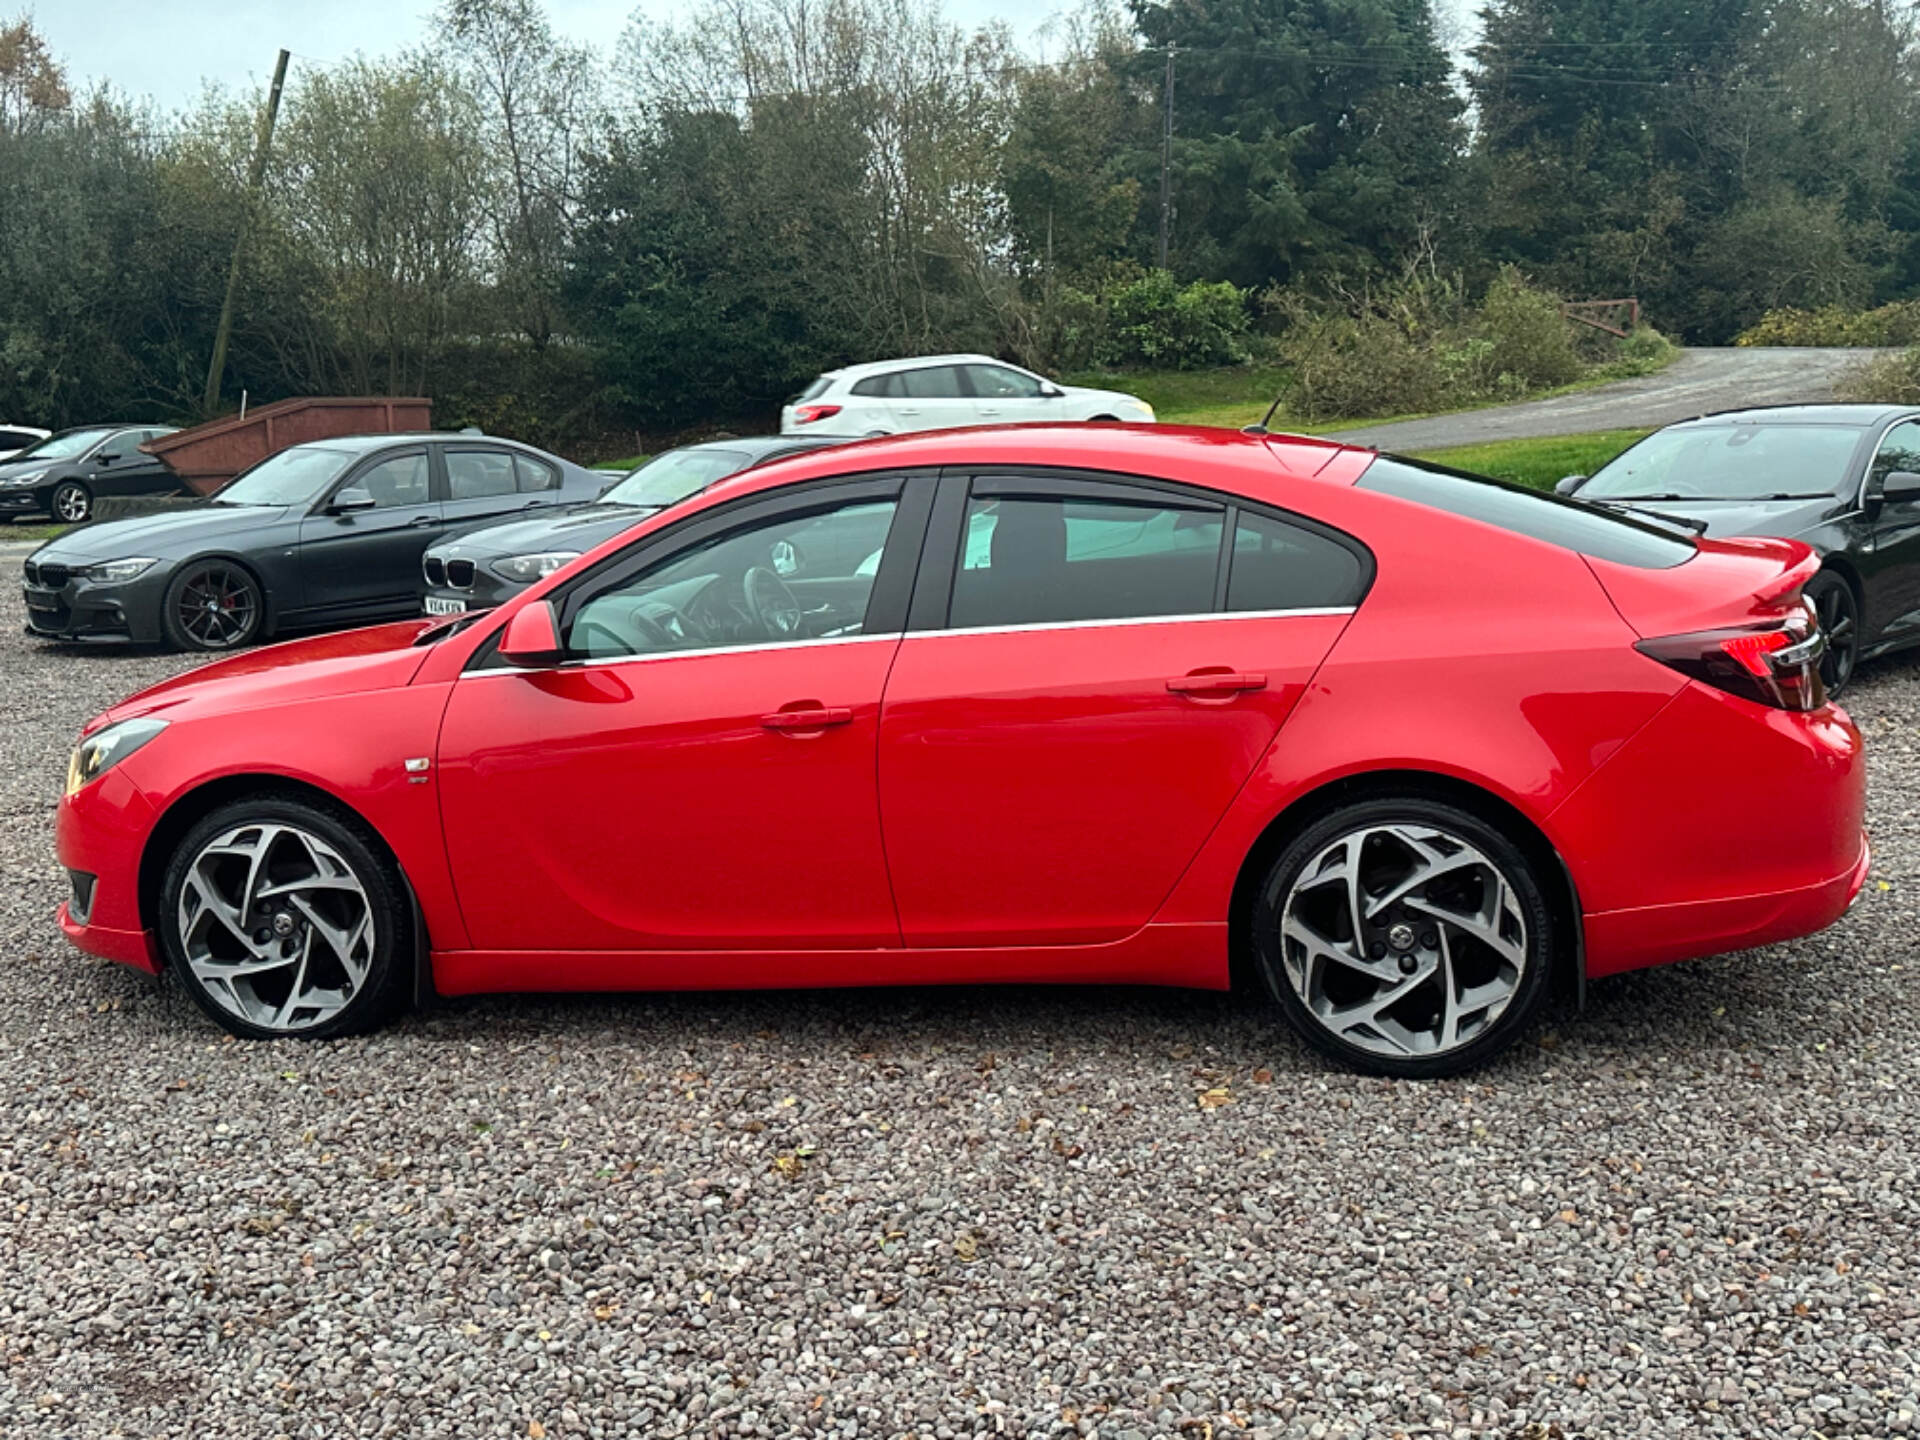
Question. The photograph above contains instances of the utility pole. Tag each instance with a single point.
(256, 176)
(1166, 159)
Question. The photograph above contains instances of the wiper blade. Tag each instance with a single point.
(1624, 499)
(1790, 495)
(1691, 524)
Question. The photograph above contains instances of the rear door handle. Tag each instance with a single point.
(420, 522)
(1215, 683)
(807, 716)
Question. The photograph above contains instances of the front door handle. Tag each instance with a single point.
(807, 715)
(420, 522)
(1215, 684)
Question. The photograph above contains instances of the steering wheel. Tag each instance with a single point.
(772, 605)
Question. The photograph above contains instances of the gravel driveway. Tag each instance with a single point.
(954, 1213)
(1698, 382)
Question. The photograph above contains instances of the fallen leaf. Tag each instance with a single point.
(1263, 1077)
(536, 1431)
(1213, 1099)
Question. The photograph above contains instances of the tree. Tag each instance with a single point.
(33, 87)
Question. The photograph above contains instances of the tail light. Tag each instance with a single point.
(807, 414)
(1775, 665)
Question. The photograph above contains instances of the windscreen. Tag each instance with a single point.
(64, 447)
(293, 477)
(668, 479)
(1729, 462)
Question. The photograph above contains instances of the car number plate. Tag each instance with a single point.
(438, 606)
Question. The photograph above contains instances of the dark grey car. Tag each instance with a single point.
(481, 567)
(1843, 478)
(64, 474)
(324, 534)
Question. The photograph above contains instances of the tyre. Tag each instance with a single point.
(283, 919)
(72, 503)
(1839, 610)
(1405, 937)
(212, 605)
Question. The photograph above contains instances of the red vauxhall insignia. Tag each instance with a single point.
(1037, 704)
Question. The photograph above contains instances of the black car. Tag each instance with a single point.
(481, 567)
(323, 534)
(1843, 478)
(64, 474)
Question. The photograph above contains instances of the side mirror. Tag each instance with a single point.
(109, 458)
(1568, 484)
(1901, 487)
(532, 637)
(1050, 391)
(350, 501)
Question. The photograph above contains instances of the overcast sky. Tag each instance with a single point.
(164, 48)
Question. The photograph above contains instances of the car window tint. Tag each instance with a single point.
(1585, 529)
(872, 387)
(15, 439)
(1044, 561)
(1277, 566)
(401, 480)
(479, 474)
(817, 388)
(933, 382)
(1899, 450)
(997, 382)
(534, 475)
(805, 575)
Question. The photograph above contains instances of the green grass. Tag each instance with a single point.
(1538, 463)
(16, 531)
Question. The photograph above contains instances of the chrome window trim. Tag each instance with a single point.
(601, 664)
(1301, 612)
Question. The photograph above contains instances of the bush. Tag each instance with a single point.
(1882, 380)
(1894, 324)
(1151, 320)
(1532, 341)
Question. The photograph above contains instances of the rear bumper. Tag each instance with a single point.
(1633, 939)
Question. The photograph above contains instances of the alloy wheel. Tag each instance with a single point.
(72, 504)
(276, 926)
(1833, 602)
(217, 608)
(1403, 940)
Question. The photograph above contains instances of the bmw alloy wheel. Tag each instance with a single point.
(1404, 941)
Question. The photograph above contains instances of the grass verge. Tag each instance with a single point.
(1537, 463)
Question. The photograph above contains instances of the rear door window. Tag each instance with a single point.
(479, 474)
(932, 382)
(1036, 560)
(535, 476)
(1570, 524)
(1279, 566)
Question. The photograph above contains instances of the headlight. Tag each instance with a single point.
(119, 569)
(528, 568)
(26, 478)
(102, 750)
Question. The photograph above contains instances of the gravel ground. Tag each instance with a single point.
(1688, 1212)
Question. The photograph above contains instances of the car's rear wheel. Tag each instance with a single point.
(72, 503)
(1833, 599)
(1406, 937)
(212, 605)
(283, 919)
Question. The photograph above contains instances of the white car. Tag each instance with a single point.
(937, 392)
(15, 438)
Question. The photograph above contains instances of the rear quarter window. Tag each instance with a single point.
(815, 390)
(1584, 529)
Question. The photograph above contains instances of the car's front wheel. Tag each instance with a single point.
(1406, 937)
(212, 605)
(1833, 600)
(71, 503)
(283, 919)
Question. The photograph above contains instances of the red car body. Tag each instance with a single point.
(1021, 803)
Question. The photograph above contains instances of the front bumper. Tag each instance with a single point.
(26, 499)
(482, 590)
(101, 831)
(79, 609)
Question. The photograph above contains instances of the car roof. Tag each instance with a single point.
(359, 444)
(1854, 416)
(758, 445)
(1172, 452)
(906, 362)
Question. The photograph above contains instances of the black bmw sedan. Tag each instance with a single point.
(323, 534)
(1843, 478)
(481, 567)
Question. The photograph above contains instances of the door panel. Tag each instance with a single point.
(1046, 786)
(659, 804)
(370, 560)
(929, 398)
(1893, 592)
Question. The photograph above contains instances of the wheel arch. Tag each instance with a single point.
(1569, 965)
(194, 805)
